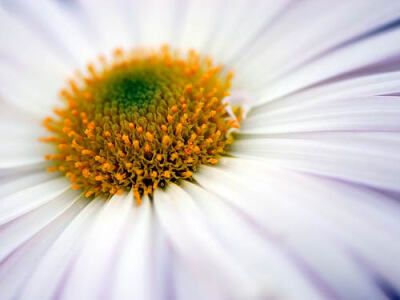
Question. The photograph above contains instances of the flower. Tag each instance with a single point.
(303, 205)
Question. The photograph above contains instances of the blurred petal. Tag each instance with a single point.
(133, 277)
(322, 222)
(101, 245)
(38, 47)
(19, 230)
(264, 261)
(277, 59)
(48, 274)
(358, 87)
(17, 267)
(25, 200)
(355, 159)
(199, 249)
(68, 34)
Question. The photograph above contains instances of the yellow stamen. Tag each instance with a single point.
(140, 121)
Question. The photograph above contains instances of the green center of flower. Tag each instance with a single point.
(141, 121)
(129, 89)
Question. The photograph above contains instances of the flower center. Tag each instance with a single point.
(142, 120)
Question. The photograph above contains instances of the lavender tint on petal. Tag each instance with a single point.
(319, 284)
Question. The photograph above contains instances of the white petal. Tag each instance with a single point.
(15, 120)
(25, 200)
(30, 91)
(159, 22)
(22, 169)
(20, 133)
(132, 273)
(18, 150)
(197, 246)
(38, 48)
(70, 35)
(366, 86)
(239, 25)
(48, 275)
(21, 229)
(164, 258)
(356, 114)
(101, 245)
(19, 265)
(280, 52)
(265, 262)
(186, 286)
(356, 160)
(225, 31)
(324, 222)
(13, 183)
(355, 56)
(198, 23)
(104, 17)
(16, 165)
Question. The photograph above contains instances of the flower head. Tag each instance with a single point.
(172, 179)
(143, 120)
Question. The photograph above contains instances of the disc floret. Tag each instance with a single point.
(140, 121)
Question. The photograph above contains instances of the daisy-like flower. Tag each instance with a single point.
(200, 149)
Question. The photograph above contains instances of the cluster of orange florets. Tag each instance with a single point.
(140, 121)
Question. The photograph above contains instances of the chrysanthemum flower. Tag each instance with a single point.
(200, 149)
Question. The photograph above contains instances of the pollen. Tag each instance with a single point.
(140, 120)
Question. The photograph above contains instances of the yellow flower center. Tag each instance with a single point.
(142, 120)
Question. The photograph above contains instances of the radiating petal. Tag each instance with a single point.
(356, 160)
(25, 200)
(16, 269)
(22, 153)
(21, 229)
(101, 245)
(268, 264)
(366, 86)
(198, 247)
(49, 273)
(169, 15)
(349, 114)
(240, 24)
(269, 67)
(38, 47)
(327, 223)
(225, 29)
(282, 52)
(132, 271)
(103, 16)
(33, 92)
(12, 183)
(69, 34)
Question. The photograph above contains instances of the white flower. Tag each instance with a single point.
(307, 205)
